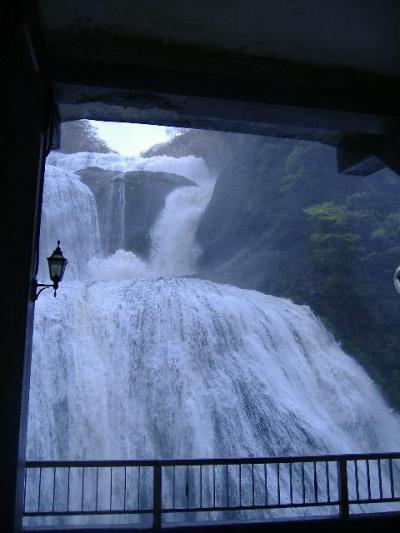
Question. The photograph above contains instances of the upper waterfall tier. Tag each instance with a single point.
(69, 214)
(190, 167)
(181, 368)
(145, 211)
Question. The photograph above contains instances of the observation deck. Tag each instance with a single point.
(279, 493)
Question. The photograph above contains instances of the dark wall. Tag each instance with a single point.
(21, 150)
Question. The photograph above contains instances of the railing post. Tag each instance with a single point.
(343, 491)
(157, 495)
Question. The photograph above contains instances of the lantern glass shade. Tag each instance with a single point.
(397, 279)
(57, 264)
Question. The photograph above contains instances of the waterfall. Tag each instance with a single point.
(134, 359)
(174, 250)
(115, 216)
(190, 166)
(180, 368)
(69, 213)
(127, 365)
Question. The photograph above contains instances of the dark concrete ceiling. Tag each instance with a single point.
(326, 70)
(358, 34)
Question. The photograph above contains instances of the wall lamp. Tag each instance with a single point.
(396, 279)
(57, 264)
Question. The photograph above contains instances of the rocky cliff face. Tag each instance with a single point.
(283, 221)
(128, 204)
(254, 229)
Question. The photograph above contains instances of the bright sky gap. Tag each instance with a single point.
(131, 139)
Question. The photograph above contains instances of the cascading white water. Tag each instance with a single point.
(132, 367)
(174, 250)
(129, 366)
(115, 215)
(191, 167)
(179, 368)
(69, 212)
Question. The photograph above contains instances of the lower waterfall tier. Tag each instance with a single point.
(185, 368)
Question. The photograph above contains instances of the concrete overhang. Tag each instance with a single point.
(324, 71)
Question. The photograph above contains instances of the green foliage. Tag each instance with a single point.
(288, 224)
(343, 236)
(389, 227)
(353, 233)
(329, 212)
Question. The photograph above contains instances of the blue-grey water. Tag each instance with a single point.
(139, 359)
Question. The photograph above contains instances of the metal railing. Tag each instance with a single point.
(340, 485)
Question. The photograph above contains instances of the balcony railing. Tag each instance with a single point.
(198, 490)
